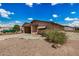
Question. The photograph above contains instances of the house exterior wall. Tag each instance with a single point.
(53, 26)
(57, 27)
(34, 29)
(35, 25)
(46, 24)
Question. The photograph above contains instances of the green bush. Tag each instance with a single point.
(55, 36)
(16, 28)
(76, 31)
(7, 31)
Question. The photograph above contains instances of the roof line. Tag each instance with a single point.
(47, 22)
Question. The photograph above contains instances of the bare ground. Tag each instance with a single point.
(36, 48)
(21, 47)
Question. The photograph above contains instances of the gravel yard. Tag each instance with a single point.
(20, 45)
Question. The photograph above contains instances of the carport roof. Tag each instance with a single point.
(26, 24)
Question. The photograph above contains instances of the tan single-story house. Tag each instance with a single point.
(36, 26)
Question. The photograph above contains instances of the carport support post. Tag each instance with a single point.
(22, 29)
(31, 29)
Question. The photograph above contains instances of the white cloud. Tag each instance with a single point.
(50, 19)
(10, 24)
(54, 4)
(73, 12)
(55, 15)
(74, 24)
(29, 4)
(70, 19)
(18, 21)
(30, 19)
(5, 25)
(12, 13)
(13, 23)
(4, 13)
(38, 3)
(0, 4)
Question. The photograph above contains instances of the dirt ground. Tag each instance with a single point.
(22, 35)
(21, 47)
(72, 35)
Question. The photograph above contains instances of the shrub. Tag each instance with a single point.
(16, 28)
(76, 31)
(55, 36)
(7, 31)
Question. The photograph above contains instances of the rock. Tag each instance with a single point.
(56, 45)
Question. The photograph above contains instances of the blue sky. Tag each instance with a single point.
(18, 13)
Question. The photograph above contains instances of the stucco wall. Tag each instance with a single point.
(53, 26)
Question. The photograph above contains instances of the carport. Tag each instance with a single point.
(27, 28)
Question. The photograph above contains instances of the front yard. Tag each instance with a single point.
(36, 47)
(27, 44)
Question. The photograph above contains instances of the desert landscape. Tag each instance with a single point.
(39, 29)
(35, 45)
